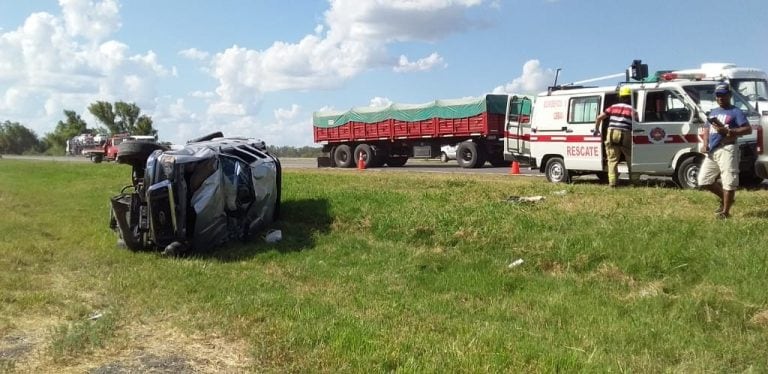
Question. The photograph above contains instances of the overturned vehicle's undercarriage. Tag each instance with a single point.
(212, 191)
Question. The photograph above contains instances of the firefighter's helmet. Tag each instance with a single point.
(624, 91)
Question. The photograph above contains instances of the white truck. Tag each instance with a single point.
(752, 83)
(558, 139)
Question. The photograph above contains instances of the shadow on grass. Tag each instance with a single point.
(300, 221)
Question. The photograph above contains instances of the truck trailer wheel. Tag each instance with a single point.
(469, 155)
(135, 153)
(556, 171)
(97, 158)
(366, 152)
(343, 156)
(687, 173)
(396, 162)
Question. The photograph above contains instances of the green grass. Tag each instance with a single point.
(396, 272)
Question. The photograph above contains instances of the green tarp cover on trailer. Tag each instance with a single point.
(452, 108)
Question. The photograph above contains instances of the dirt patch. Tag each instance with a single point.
(147, 363)
(148, 347)
(14, 347)
(760, 319)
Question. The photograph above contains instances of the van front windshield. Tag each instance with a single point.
(752, 89)
(704, 95)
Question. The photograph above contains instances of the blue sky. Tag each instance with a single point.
(260, 68)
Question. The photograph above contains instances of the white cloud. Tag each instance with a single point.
(352, 39)
(380, 102)
(282, 114)
(533, 80)
(93, 20)
(51, 63)
(424, 64)
(194, 54)
(68, 60)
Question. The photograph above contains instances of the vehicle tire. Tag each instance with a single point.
(396, 162)
(343, 156)
(500, 163)
(749, 179)
(203, 138)
(687, 172)
(379, 157)
(135, 153)
(469, 155)
(366, 152)
(602, 176)
(556, 172)
(97, 158)
(444, 157)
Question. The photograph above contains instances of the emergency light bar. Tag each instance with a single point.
(673, 76)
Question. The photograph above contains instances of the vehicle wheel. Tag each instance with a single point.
(444, 157)
(343, 156)
(602, 177)
(135, 153)
(379, 157)
(97, 158)
(366, 152)
(469, 156)
(500, 163)
(687, 173)
(203, 138)
(556, 171)
(749, 179)
(396, 162)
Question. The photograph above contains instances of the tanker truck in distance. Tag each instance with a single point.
(393, 134)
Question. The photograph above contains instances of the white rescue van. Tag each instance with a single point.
(558, 139)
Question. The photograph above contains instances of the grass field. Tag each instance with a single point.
(389, 272)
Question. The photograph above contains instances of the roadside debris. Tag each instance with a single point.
(560, 193)
(525, 199)
(273, 236)
(516, 263)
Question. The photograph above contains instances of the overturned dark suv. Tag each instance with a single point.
(213, 190)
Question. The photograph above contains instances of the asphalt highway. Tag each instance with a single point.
(413, 165)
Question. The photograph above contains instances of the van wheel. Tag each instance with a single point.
(602, 177)
(556, 171)
(687, 173)
(443, 157)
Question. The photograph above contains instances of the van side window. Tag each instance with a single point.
(583, 109)
(665, 106)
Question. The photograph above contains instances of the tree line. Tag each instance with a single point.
(120, 117)
(117, 118)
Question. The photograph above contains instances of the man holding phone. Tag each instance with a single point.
(727, 123)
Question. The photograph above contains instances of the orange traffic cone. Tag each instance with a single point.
(515, 168)
(361, 162)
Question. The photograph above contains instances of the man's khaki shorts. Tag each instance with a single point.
(723, 162)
